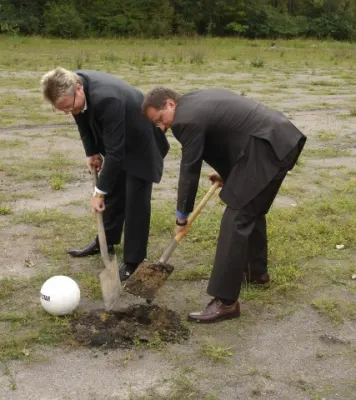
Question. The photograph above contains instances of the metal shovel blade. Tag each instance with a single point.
(109, 277)
(110, 284)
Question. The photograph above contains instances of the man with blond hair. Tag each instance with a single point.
(124, 146)
(251, 149)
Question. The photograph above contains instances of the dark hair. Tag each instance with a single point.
(157, 97)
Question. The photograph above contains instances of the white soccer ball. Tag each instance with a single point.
(60, 295)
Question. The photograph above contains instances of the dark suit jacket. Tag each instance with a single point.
(114, 126)
(215, 125)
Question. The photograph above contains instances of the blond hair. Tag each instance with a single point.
(58, 83)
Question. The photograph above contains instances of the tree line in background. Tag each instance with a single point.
(334, 19)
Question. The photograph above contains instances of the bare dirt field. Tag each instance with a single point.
(295, 339)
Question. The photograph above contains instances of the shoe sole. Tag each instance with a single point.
(211, 321)
(125, 278)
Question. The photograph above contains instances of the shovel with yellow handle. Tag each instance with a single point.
(149, 277)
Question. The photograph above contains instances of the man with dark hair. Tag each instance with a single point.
(110, 122)
(251, 149)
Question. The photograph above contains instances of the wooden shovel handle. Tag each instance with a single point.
(197, 211)
(100, 223)
(174, 243)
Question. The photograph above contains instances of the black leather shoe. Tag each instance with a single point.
(126, 270)
(90, 250)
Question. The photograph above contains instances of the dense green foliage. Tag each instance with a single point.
(156, 18)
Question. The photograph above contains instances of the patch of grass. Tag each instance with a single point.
(10, 287)
(59, 231)
(9, 374)
(89, 284)
(253, 372)
(110, 57)
(38, 218)
(197, 56)
(310, 230)
(7, 287)
(325, 83)
(326, 152)
(179, 387)
(5, 210)
(184, 388)
(321, 355)
(197, 273)
(8, 144)
(326, 135)
(154, 343)
(57, 182)
(314, 107)
(81, 60)
(216, 353)
(160, 230)
(337, 310)
(13, 196)
(28, 329)
(303, 385)
(257, 63)
(285, 276)
(292, 189)
(353, 112)
(55, 165)
(282, 86)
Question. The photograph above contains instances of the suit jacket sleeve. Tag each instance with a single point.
(111, 118)
(86, 135)
(161, 141)
(192, 138)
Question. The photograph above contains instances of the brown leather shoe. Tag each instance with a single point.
(257, 278)
(216, 311)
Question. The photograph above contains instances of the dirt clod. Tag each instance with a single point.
(147, 279)
(138, 323)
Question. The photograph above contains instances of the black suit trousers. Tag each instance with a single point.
(242, 242)
(128, 211)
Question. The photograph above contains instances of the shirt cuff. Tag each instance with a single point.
(99, 191)
(181, 215)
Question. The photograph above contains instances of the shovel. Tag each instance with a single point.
(149, 277)
(109, 277)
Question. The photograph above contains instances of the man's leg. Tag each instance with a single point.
(232, 254)
(258, 248)
(241, 233)
(231, 260)
(114, 213)
(113, 217)
(258, 208)
(257, 271)
(137, 224)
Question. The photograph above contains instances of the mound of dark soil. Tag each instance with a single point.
(138, 323)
